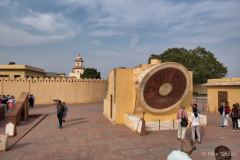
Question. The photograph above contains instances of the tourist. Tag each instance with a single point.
(222, 153)
(31, 101)
(194, 105)
(186, 149)
(181, 129)
(1, 100)
(65, 111)
(6, 102)
(234, 115)
(10, 103)
(60, 110)
(238, 115)
(227, 111)
(13, 99)
(195, 125)
(221, 109)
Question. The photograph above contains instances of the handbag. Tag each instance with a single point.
(184, 121)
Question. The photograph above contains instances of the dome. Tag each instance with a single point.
(79, 59)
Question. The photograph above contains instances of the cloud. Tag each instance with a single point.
(134, 41)
(46, 22)
(15, 37)
(103, 33)
(209, 19)
(5, 3)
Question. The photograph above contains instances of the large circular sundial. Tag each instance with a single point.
(163, 87)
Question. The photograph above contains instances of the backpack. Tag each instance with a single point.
(234, 114)
(184, 121)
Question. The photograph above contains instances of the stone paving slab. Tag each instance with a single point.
(87, 134)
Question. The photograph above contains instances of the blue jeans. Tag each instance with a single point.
(60, 115)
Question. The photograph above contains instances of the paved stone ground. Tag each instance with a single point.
(87, 134)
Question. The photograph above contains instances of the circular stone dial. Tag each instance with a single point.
(164, 88)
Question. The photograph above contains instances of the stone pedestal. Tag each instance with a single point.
(3, 142)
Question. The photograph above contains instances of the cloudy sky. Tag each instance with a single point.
(108, 34)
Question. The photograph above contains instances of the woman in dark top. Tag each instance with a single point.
(234, 115)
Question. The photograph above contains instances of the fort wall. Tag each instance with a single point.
(46, 90)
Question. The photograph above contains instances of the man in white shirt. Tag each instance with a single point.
(186, 149)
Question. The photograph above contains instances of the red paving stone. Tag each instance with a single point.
(88, 135)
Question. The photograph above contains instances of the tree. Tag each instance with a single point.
(203, 63)
(90, 73)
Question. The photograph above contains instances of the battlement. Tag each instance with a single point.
(52, 79)
(70, 90)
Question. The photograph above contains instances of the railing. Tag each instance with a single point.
(164, 125)
(19, 111)
(200, 99)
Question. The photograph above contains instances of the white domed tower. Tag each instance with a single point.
(78, 69)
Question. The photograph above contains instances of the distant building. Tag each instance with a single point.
(78, 69)
(61, 74)
(23, 71)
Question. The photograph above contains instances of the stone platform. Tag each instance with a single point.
(87, 134)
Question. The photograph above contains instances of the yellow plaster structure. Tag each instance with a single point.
(123, 95)
(221, 90)
(23, 71)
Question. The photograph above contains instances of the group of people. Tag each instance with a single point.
(8, 100)
(225, 112)
(187, 147)
(62, 111)
(194, 123)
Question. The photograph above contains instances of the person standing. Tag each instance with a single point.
(31, 101)
(13, 99)
(227, 111)
(10, 103)
(60, 110)
(65, 111)
(238, 115)
(234, 115)
(6, 102)
(181, 129)
(194, 105)
(221, 109)
(195, 125)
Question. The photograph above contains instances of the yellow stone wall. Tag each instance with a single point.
(236, 79)
(213, 89)
(233, 96)
(47, 89)
(122, 79)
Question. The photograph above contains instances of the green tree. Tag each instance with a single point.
(203, 63)
(91, 73)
